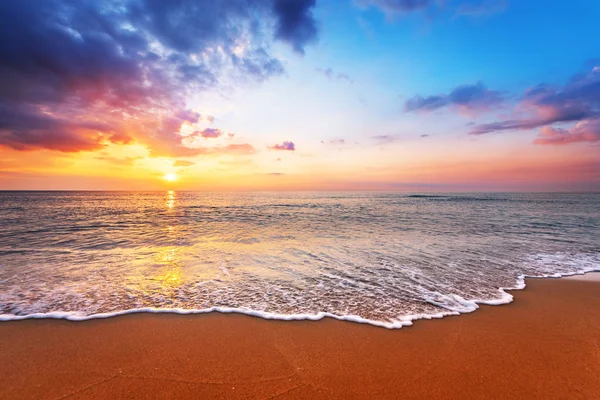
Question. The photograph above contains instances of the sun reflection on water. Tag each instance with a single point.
(170, 199)
(170, 275)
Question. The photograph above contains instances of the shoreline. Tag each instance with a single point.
(545, 344)
(404, 321)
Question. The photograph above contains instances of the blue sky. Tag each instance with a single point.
(520, 44)
(373, 94)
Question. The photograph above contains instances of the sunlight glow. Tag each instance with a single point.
(170, 177)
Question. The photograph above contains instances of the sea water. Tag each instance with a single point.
(380, 258)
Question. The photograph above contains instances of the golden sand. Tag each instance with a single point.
(545, 345)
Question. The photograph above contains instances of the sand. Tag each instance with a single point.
(545, 345)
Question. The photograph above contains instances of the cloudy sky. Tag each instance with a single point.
(418, 95)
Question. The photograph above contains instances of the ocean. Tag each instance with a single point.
(376, 257)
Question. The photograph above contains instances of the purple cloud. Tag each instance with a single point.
(285, 146)
(67, 65)
(465, 8)
(467, 98)
(585, 131)
(209, 133)
(398, 6)
(25, 129)
(542, 106)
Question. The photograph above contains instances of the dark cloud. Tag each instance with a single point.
(330, 74)
(87, 73)
(295, 22)
(543, 105)
(24, 129)
(424, 135)
(469, 98)
(285, 146)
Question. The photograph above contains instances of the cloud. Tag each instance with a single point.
(285, 146)
(386, 138)
(398, 6)
(209, 133)
(295, 22)
(85, 74)
(472, 8)
(24, 129)
(330, 74)
(335, 142)
(424, 135)
(542, 106)
(585, 131)
(466, 98)
(184, 151)
(183, 163)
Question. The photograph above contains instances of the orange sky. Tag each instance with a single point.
(416, 165)
(279, 95)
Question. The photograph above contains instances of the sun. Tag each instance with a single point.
(170, 177)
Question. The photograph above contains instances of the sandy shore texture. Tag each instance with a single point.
(545, 345)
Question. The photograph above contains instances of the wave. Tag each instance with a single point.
(463, 306)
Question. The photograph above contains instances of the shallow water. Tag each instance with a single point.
(383, 258)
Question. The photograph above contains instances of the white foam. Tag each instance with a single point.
(466, 306)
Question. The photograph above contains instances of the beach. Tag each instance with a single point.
(544, 345)
(299, 199)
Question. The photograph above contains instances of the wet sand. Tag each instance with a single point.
(545, 345)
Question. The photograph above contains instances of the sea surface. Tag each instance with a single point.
(380, 258)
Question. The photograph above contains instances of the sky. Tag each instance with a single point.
(408, 95)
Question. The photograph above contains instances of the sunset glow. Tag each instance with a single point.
(250, 198)
(383, 97)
